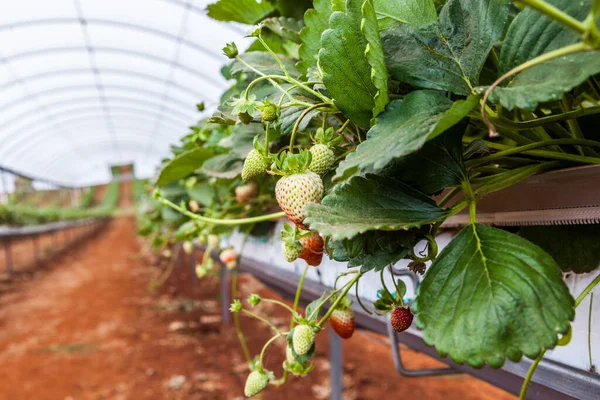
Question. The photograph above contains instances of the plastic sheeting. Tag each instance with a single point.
(85, 84)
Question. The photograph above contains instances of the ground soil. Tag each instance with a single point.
(88, 327)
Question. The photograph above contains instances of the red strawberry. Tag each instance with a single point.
(342, 322)
(401, 319)
(295, 191)
(229, 258)
(312, 249)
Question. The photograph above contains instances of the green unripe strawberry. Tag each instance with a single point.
(291, 251)
(255, 165)
(295, 191)
(256, 383)
(322, 159)
(270, 112)
(303, 339)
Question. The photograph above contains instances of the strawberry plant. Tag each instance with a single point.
(369, 123)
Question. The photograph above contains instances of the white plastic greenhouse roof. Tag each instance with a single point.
(85, 84)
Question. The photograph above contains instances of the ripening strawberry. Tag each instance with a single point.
(342, 322)
(295, 191)
(229, 258)
(188, 247)
(322, 160)
(255, 383)
(246, 193)
(312, 249)
(194, 206)
(303, 339)
(401, 319)
(255, 165)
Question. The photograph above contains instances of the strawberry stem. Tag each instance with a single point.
(337, 301)
(216, 221)
(258, 317)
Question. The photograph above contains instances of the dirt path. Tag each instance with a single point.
(88, 328)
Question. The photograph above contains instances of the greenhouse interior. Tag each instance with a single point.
(283, 199)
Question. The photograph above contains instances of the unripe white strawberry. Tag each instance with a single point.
(255, 383)
(303, 339)
(188, 247)
(322, 159)
(295, 191)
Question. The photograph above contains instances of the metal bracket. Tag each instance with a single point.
(396, 355)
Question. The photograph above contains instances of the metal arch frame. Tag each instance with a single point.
(38, 146)
(130, 89)
(120, 24)
(33, 178)
(114, 71)
(112, 99)
(15, 138)
(127, 52)
(57, 109)
(34, 146)
(54, 161)
(131, 140)
(67, 111)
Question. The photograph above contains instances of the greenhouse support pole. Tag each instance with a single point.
(8, 256)
(224, 294)
(36, 248)
(193, 266)
(335, 362)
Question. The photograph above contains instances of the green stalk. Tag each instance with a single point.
(298, 292)
(299, 120)
(524, 149)
(561, 52)
(279, 303)
(236, 316)
(215, 221)
(262, 352)
(338, 300)
(590, 331)
(527, 125)
(258, 317)
(550, 154)
(556, 14)
(260, 39)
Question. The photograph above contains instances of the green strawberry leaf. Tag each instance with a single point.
(316, 21)
(401, 289)
(184, 164)
(574, 247)
(404, 127)
(346, 69)
(287, 28)
(203, 193)
(372, 203)
(447, 55)
(438, 165)
(413, 12)
(491, 295)
(313, 309)
(243, 11)
(224, 166)
(374, 53)
(547, 82)
(532, 34)
(263, 62)
(290, 115)
(373, 250)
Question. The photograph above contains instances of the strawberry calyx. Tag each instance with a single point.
(287, 163)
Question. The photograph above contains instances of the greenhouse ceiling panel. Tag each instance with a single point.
(92, 83)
